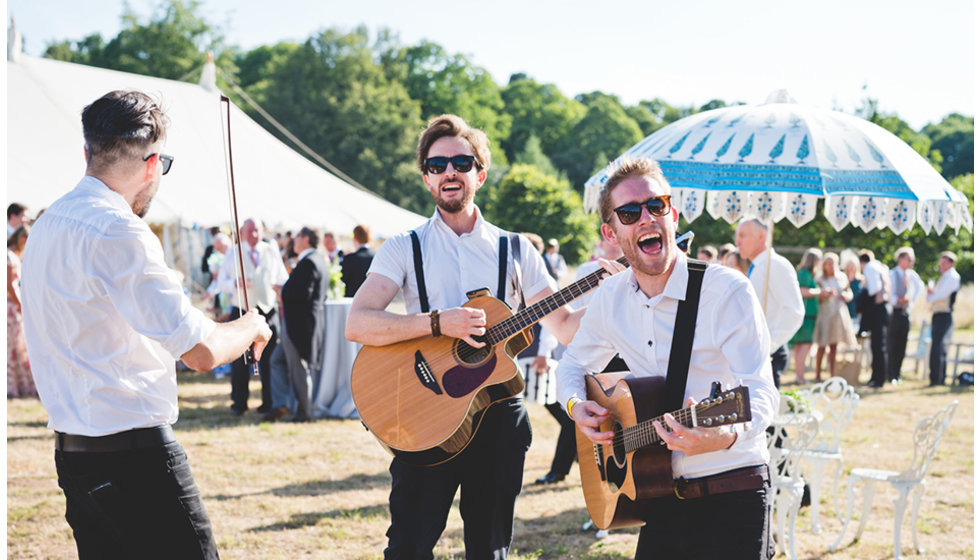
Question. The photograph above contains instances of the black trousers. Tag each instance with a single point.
(731, 526)
(135, 504)
(565, 450)
(898, 339)
(941, 323)
(241, 372)
(878, 325)
(488, 474)
(779, 360)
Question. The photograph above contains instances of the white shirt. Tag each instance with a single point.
(875, 281)
(265, 277)
(938, 299)
(784, 308)
(456, 264)
(914, 289)
(105, 318)
(731, 346)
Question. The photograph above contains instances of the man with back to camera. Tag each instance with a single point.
(105, 322)
(721, 477)
(941, 299)
(354, 266)
(459, 253)
(906, 287)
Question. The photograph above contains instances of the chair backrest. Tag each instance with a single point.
(792, 433)
(834, 403)
(928, 433)
(542, 389)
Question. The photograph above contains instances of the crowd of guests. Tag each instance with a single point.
(853, 296)
(288, 278)
(20, 382)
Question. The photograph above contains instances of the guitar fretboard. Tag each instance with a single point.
(643, 433)
(534, 313)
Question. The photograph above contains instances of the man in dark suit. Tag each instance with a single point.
(302, 300)
(355, 265)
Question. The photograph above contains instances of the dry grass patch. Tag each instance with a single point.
(320, 490)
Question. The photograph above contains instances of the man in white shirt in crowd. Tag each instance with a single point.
(265, 274)
(15, 217)
(105, 321)
(775, 283)
(906, 287)
(875, 315)
(941, 300)
(721, 478)
(556, 263)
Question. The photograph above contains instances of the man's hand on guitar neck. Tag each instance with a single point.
(694, 441)
(464, 323)
(588, 416)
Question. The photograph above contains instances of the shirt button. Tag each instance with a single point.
(649, 343)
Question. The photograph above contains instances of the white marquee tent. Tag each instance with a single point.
(45, 158)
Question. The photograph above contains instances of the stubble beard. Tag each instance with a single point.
(143, 200)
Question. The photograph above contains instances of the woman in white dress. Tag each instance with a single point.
(833, 325)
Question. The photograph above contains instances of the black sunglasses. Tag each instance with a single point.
(436, 165)
(167, 161)
(656, 206)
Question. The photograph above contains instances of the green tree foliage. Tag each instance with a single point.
(953, 137)
(173, 43)
(528, 199)
(538, 109)
(330, 93)
(605, 129)
(532, 155)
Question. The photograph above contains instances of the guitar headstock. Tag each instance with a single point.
(729, 407)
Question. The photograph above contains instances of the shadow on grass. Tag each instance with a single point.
(32, 424)
(315, 488)
(48, 436)
(300, 520)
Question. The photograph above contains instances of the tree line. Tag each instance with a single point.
(359, 99)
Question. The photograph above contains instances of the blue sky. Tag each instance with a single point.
(917, 58)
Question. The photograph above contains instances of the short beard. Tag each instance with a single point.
(143, 200)
(452, 206)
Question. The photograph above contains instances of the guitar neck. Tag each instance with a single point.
(644, 434)
(534, 313)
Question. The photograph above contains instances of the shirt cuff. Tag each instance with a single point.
(194, 329)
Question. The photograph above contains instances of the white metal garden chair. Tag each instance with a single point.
(794, 430)
(928, 433)
(834, 403)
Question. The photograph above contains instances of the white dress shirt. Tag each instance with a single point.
(914, 289)
(938, 299)
(876, 281)
(784, 308)
(456, 264)
(105, 318)
(731, 346)
(269, 274)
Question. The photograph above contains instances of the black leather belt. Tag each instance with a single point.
(129, 440)
(748, 478)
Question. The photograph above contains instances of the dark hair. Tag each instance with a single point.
(311, 235)
(120, 125)
(362, 234)
(15, 209)
(22, 231)
(866, 256)
(451, 125)
(641, 167)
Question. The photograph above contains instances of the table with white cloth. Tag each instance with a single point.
(332, 396)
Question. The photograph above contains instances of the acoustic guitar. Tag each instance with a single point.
(618, 480)
(423, 399)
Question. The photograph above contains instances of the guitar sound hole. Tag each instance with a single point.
(470, 355)
(619, 446)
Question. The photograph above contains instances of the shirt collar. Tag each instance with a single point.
(304, 254)
(676, 287)
(95, 186)
(477, 226)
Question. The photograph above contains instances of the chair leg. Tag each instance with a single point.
(794, 510)
(780, 513)
(869, 497)
(837, 473)
(900, 502)
(816, 485)
(847, 517)
(916, 499)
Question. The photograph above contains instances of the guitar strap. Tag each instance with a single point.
(680, 347)
(502, 277)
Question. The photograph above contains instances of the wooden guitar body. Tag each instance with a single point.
(615, 481)
(423, 399)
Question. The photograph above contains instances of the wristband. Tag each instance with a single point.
(571, 403)
(434, 323)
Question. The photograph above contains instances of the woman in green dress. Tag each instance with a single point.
(803, 339)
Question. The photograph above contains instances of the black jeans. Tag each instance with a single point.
(730, 526)
(242, 372)
(135, 504)
(565, 450)
(779, 360)
(488, 474)
(898, 339)
(941, 323)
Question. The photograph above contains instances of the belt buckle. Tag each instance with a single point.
(677, 484)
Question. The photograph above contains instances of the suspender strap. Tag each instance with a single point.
(502, 274)
(680, 347)
(515, 249)
(419, 277)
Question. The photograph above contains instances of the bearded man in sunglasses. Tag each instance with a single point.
(721, 480)
(456, 251)
(106, 320)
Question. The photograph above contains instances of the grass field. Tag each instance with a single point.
(319, 490)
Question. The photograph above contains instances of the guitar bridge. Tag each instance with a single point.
(425, 374)
(597, 453)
